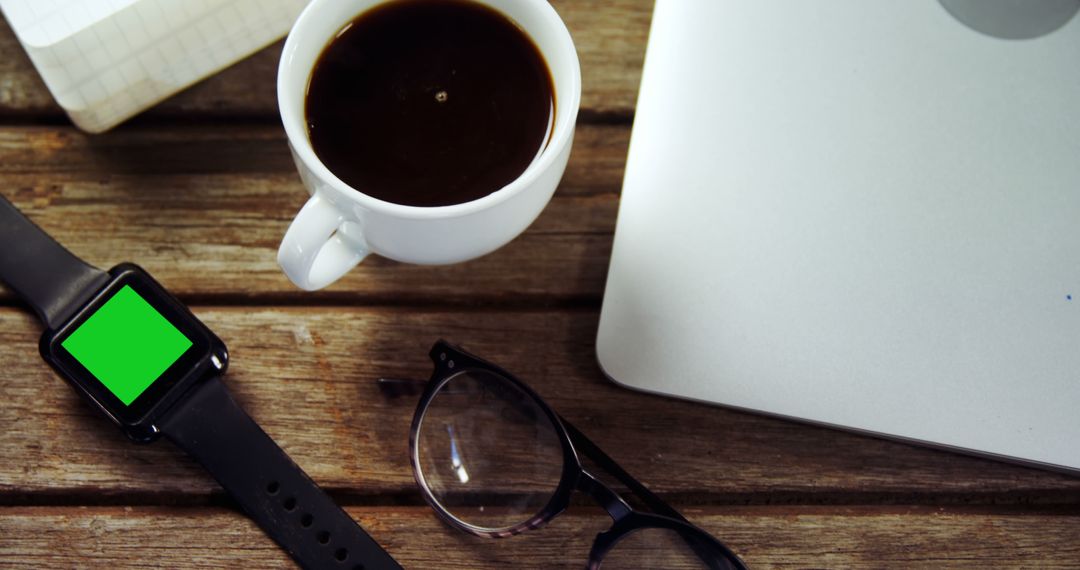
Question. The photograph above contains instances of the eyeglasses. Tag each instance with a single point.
(494, 460)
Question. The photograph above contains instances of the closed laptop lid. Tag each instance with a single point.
(861, 213)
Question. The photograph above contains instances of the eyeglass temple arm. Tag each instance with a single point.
(593, 452)
(658, 505)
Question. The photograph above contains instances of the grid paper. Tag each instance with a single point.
(106, 60)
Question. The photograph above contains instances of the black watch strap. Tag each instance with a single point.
(210, 426)
(48, 277)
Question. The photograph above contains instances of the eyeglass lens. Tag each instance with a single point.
(487, 452)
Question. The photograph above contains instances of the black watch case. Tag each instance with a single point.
(207, 356)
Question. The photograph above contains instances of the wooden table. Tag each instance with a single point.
(200, 190)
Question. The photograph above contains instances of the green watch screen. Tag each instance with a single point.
(126, 344)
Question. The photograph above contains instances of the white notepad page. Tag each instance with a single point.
(106, 60)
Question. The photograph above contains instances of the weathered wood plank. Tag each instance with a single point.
(308, 376)
(766, 537)
(610, 38)
(596, 165)
(204, 209)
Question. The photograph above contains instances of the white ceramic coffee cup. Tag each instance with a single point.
(340, 225)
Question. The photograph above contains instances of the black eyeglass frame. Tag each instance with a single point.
(450, 361)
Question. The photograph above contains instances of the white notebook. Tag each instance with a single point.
(859, 213)
(106, 60)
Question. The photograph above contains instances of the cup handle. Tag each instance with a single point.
(316, 250)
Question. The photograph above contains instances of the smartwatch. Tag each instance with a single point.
(142, 358)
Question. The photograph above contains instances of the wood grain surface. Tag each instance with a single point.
(199, 191)
(204, 208)
(797, 537)
(290, 365)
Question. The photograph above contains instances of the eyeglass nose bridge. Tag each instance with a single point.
(617, 508)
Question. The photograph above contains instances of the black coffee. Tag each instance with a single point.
(429, 102)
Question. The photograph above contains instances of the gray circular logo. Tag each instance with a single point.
(1013, 19)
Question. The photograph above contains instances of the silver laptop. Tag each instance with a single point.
(859, 213)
